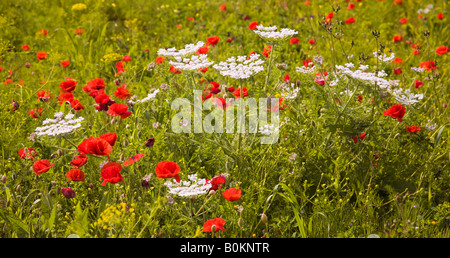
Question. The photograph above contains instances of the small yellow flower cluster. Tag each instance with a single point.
(79, 7)
(113, 57)
(115, 214)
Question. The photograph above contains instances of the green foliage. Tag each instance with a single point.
(316, 181)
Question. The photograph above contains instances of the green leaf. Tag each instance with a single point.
(18, 226)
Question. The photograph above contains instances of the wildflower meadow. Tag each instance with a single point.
(245, 119)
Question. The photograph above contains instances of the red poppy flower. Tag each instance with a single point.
(133, 159)
(79, 160)
(397, 38)
(312, 41)
(442, 50)
(222, 7)
(350, 20)
(287, 78)
(79, 31)
(397, 70)
(418, 84)
(27, 153)
(232, 194)
(173, 69)
(216, 182)
(294, 41)
(65, 63)
(94, 84)
(110, 138)
(396, 111)
(321, 82)
(110, 172)
(440, 16)
(215, 89)
(253, 25)
(75, 174)
(351, 6)
(307, 63)
(159, 59)
(118, 109)
(398, 2)
(102, 98)
(416, 52)
(65, 97)
(403, 20)
(43, 95)
(266, 51)
(68, 85)
(412, 129)
(362, 136)
(42, 166)
(237, 92)
(119, 67)
(126, 58)
(41, 55)
(221, 103)
(229, 40)
(428, 65)
(168, 169)
(278, 107)
(397, 60)
(202, 50)
(212, 41)
(35, 113)
(122, 92)
(25, 47)
(42, 32)
(95, 146)
(68, 192)
(76, 105)
(217, 222)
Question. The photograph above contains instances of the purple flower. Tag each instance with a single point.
(150, 142)
(68, 192)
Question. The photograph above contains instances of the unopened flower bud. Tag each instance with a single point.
(27, 65)
(3, 179)
(264, 218)
(444, 105)
(213, 228)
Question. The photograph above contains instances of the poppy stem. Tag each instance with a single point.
(389, 138)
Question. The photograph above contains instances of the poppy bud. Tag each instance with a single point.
(59, 152)
(213, 228)
(444, 105)
(264, 218)
(3, 179)
(18, 188)
(125, 143)
(91, 186)
(27, 65)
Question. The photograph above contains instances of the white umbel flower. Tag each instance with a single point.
(149, 97)
(193, 187)
(367, 77)
(240, 67)
(192, 63)
(270, 33)
(59, 125)
(406, 97)
(384, 57)
(188, 50)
